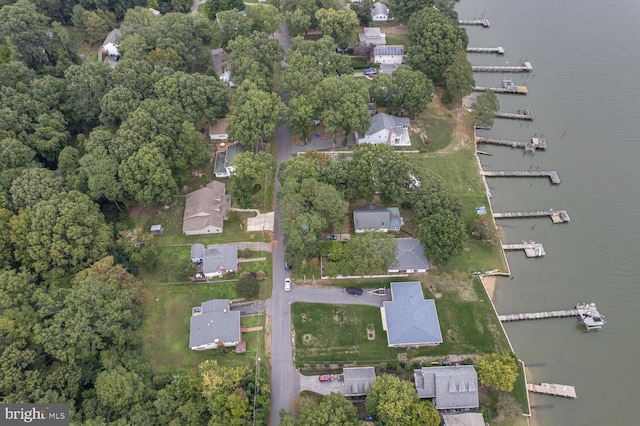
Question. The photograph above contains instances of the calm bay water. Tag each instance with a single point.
(585, 91)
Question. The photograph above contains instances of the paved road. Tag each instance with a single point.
(285, 379)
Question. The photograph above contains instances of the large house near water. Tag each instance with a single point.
(388, 130)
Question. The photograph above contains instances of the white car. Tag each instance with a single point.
(287, 284)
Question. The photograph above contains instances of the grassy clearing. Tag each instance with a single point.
(396, 39)
(439, 130)
(338, 333)
(165, 327)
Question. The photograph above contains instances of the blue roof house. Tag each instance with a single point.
(409, 319)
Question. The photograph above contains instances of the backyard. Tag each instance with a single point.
(165, 328)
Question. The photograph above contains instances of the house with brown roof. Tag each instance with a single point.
(206, 210)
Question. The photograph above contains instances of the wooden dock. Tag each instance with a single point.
(539, 315)
(522, 114)
(554, 389)
(505, 90)
(552, 175)
(483, 22)
(531, 248)
(530, 146)
(557, 216)
(498, 50)
(525, 67)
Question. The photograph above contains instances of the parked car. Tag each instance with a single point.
(354, 291)
(287, 284)
(327, 378)
(333, 237)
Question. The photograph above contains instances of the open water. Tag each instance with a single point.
(585, 92)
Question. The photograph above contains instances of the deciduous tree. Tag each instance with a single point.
(255, 117)
(63, 235)
(250, 169)
(393, 401)
(147, 178)
(498, 371)
(413, 92)
(443, 235)
(431, 197)
(34, 185)
(459, 77)
(213, 7)
(433, 42)
(485, 108)
(337, 23)
(332, 410)
(266, 18)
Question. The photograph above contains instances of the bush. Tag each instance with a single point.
(482, 229)
(248, 286)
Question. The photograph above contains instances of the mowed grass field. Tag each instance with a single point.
(338, 333)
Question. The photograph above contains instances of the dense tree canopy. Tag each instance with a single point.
(403, 10)
(337, 24)
(147, 178)
(330, 410)
(61, 235)
(433, 42)
(35, 185)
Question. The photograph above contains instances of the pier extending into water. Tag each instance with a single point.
(552, 175)
(531, 248)
(484, 22)
(553, 389)
(525, 67)
(506, 87)
(530, 146)
(522, 114)
(539, 315)
(557, 216)
(498, 50)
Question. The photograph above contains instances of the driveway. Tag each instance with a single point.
(318, 143)
(334, 296)
(313, 384)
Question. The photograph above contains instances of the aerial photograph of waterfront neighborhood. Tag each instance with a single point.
(318, 212)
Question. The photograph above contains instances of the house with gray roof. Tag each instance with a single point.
(374, 218)
(387, 129)
(215, 260)
(223, 167)
(409, 319)
(410, 256)
(380, 12)
(358, 380)
(450, 388)
(206, 209)
(373, 35)
(213, 325)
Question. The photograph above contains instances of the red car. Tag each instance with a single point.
(327, 378)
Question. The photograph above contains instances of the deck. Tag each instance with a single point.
(557, 216)
(552, 175)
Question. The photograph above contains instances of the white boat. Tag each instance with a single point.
(590, 316)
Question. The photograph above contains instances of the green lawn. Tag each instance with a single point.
(396, 39)
(461, 176)
(439, 130)
(338, 333)
(165, 328)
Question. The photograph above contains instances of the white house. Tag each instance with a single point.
(373, 36)
(380, 12)
(387, 129)
(392, 54)
(226, 78)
